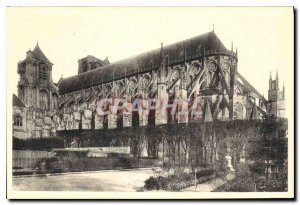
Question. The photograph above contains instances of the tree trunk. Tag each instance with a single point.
(267, 171)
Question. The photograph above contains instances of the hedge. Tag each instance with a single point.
(42, 144)
(178, 182)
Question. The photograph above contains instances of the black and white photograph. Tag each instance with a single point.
(150, 102)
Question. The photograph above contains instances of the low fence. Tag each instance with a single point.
(95, 164)
(27, 159)
(148, 162)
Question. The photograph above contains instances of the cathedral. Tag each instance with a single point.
(199, 73)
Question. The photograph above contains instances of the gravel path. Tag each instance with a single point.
(102, 181)
(209, 185)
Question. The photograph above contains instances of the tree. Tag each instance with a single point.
(269, 149)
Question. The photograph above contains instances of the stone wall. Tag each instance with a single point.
(36, 123)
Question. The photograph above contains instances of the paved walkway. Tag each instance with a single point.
(101, 181)
(209, 185)
(96, 181)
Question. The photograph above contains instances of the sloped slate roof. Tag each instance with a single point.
(177, 52)
(17, 102)
(38, 54)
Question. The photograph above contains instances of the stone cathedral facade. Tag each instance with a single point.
(200, 69)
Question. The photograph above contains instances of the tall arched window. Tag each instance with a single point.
(227, 77)
(44, 100)
(18, 120)
(211, 68)
(171, 115)
(135, 119)
(105, 121)
(84, 66)
(120, 115)
(175, 75)
(151, 115)
(34, 97)
(191, 108)
(22, 93)
(80, 122)
(55, 100)
(225, 66)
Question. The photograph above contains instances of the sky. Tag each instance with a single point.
(263, 36)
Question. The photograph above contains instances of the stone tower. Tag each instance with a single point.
(276, 97)
(35, 87)
(89, 63)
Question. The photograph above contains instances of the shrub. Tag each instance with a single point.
(124, 162)
(275, 184)
(165, 165)
(221, 165)
(245, 181)
(178, 180)
(162, 182)
(257, 168)
(204, 173)
(48, 165)
(151, 184)
(242, 184)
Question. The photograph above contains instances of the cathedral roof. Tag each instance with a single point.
(175, 53)
(38, 54)
(17, 102)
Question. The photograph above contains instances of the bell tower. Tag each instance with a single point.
(273, 92)
(90, 63)
(35, 87)
(276, 97)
